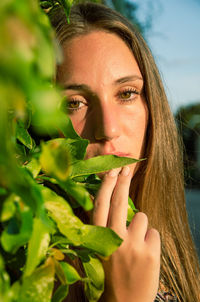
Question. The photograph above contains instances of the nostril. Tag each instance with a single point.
(106, 121)
(107, 131)
(103, 137)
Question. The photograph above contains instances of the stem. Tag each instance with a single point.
(67, 8)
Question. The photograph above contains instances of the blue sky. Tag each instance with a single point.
(174, 39)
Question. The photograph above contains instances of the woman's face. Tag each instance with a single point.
(104, 89)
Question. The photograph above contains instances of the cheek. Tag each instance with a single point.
(141, 126)
(77, 124)
(84, 124)
(136, 125)
(83, 127)
(136, 122)
(141, 129)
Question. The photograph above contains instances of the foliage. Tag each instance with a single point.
(188, 122)
(42, 182)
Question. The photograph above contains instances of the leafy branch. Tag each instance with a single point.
(43, 182)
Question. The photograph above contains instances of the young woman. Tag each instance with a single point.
(115, 98)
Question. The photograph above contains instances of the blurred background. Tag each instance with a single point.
(172, 30)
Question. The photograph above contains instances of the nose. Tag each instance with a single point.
(107, 126)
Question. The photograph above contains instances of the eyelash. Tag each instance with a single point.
(132, 91)
(74, 109)
(129, 100)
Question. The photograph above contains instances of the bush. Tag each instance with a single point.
(44, 178)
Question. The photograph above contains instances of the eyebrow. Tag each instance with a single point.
(78, 87)
(128, 78)
(81, 87)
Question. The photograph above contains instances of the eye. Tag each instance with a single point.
(73, 105)
(128, 94)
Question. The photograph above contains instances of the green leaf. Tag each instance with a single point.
(55, 158)
(103, 241)
(77, 147)
(46, 64)
(39, 285)
(79, 193)
(60, 293)
(11, 242)
(3, 191)
(38, 246)
(45, 4)
(14, 292)
(23, 136)
(130, 215)
(59, 272)
(34, 167)
(22, 183)
(68, 130)
(131, 210)
(46, 98)
(62, 243)
(8, 208)
(61, 212)
(70, 272)
(20, 153)
(132, 206)
(99, 164)
(95, 286)
(4, 281)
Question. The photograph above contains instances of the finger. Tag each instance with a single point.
(119, 202)
(152, 238)
(153, 243)
(138, 227)
(102, 200)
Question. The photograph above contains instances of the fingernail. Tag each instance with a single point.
(125, 171)
(113, 172)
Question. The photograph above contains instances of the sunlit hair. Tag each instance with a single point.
(157, 187)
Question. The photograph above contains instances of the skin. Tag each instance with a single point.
(106, 103)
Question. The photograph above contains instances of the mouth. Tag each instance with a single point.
(101, 152)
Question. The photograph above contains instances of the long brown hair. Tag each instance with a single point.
(157, 187)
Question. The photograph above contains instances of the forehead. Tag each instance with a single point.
(97, 52)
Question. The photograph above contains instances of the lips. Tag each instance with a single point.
(93, 151)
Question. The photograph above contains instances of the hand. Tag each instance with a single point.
(132, 272)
